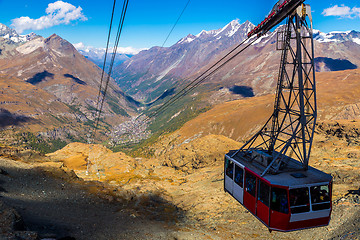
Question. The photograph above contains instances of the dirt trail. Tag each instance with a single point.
(55, 208)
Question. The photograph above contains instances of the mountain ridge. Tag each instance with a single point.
(151, 72)
(159, 67)
(56, 91)
(9, 33)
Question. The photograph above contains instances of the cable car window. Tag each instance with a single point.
(299, 200)
(279, 200)
(264, 193)
(250, 184)
(320, 197)
(229, 168)
(239, 175)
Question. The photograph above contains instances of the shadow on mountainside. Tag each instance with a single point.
(244, 91)
(62, 206)
(333, 64)
(9, 119)
(128, 98)
(166, 93)
(77, 80)
(39, 77)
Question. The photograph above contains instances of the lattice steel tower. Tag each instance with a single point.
(289, 131)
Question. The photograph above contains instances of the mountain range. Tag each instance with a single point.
(158, 68)
(97, 56)
(55, 86)
(53, 89)
(150, 73)
(337, 36)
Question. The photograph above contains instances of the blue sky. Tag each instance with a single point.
(148, 22)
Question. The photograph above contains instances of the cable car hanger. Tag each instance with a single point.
(270, 174)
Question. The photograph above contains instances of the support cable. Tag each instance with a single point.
(106, 52)
(120, 27)
(167, 37)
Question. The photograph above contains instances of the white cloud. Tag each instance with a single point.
(120, 50)
(342, 11)
(58, 13)
(80, 46)
(129, 50)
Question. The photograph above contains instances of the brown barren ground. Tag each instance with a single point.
(145, 199)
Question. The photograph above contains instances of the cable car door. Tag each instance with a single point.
(229, 176)
(280, 214)
(250, 192)
(238, 186)
(263, 201)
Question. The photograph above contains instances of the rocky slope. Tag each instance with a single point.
(47, 201)
(185, 202)
(55, 66)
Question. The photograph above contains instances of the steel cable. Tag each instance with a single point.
(106, 52)
(167, 37)
(119, 31)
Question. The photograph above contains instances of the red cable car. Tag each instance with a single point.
(270, 175)
(290, 200)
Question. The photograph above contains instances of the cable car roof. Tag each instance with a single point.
(290, 176)
(280, 11)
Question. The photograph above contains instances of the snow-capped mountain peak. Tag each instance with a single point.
(11, 34)
(324, 37)
(331, 37)
(234, 26)
(337, 36)
(188, 39)
(228, 31)
(206, 33)
(248, 26)
(6, 31)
